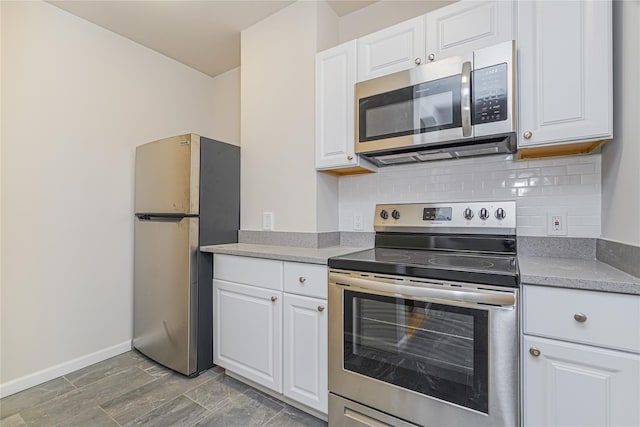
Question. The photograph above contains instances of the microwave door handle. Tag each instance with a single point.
(465, 98)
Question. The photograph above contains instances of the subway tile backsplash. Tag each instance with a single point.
(565, 184)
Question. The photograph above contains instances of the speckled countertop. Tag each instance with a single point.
(534, 270)
(576, 273)
(284, 253)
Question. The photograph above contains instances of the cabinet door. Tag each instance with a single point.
(468, 25)
(577, 385)
(390, 50)
(335, 80)
(565, 76)
(305, 351)
(248, 332)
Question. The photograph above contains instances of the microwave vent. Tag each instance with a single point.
(478, 152)
(434, 155)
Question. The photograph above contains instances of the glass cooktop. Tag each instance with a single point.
(491, 269)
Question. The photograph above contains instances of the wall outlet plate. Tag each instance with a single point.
(267, 220)
(357, 222)
(557, 223)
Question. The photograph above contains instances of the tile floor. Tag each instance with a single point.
(131, 390)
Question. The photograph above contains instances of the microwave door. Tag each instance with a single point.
(441, 102)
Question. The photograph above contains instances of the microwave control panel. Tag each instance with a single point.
(489, 86)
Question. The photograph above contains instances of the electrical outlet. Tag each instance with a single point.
(557, 223)
(267, 220)
(357, 222)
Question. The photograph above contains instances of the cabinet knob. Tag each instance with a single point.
(418, 61)
(301, 279)
(349, 157)
(527, 134)
(535, 352)
(320, 308)
(431, 57)
(580, 317)
(274, 299)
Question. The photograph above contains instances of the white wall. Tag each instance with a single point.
(570, 184)
(278, 120)
(621, 157)
(76, 101)
(225, 123)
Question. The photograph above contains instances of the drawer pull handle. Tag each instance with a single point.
(320, 308)
(274, 299)
(535, 352)
(301, 279)
(580, 317)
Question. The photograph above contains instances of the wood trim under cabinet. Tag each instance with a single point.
(560, 149)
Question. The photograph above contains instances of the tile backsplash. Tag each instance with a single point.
(565, 184)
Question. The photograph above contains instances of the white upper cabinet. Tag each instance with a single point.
(468, 25)
(393, 49)
(335, 115)
(565, 57)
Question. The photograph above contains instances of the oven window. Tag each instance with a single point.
(434, 349)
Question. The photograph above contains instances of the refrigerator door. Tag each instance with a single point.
(165, 300)
(167, 175)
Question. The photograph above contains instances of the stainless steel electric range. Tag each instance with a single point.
(423, 328)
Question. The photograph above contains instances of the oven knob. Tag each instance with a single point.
(468, 214)
(384, 214)
(484, 214)
(500, 214)
(395, 214)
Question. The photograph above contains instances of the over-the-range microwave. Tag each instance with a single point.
(456, 107)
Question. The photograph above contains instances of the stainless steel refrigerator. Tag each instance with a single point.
(187, 194)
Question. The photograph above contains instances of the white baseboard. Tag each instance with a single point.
(30, 380)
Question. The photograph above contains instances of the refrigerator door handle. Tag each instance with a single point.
(164, 217)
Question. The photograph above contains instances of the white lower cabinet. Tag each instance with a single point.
(576, 385)
(578, 379)
(271, 326)
(305, 351)
(248, 332)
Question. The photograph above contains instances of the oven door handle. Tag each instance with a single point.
(397, 288)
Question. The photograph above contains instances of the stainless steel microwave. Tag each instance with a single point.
(455, 107)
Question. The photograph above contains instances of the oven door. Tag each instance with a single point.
(431, 354)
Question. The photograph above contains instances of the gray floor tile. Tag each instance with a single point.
(107, 368)
(249, 409)
(135, 403)
(35, 395)
(65, 406)
(13, 421)
(181, 411)
(217, 392)
(292, 417)
(94, 417)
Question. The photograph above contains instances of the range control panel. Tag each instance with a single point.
(455, 217)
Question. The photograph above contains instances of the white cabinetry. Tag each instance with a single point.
(335, 80)
(393, 49)
(566, 382)
(565, 57)
(271, 325)
(248, 332)
(468, 25)
(305, 350)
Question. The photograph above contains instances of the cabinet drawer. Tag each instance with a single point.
(305, 279)
(264, 273)
(612, 320)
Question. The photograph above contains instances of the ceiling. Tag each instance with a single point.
(204, 35)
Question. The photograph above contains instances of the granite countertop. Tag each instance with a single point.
(284, 253)
(576, 273)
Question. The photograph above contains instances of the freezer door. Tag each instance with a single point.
(165, 291)
(167, 175)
